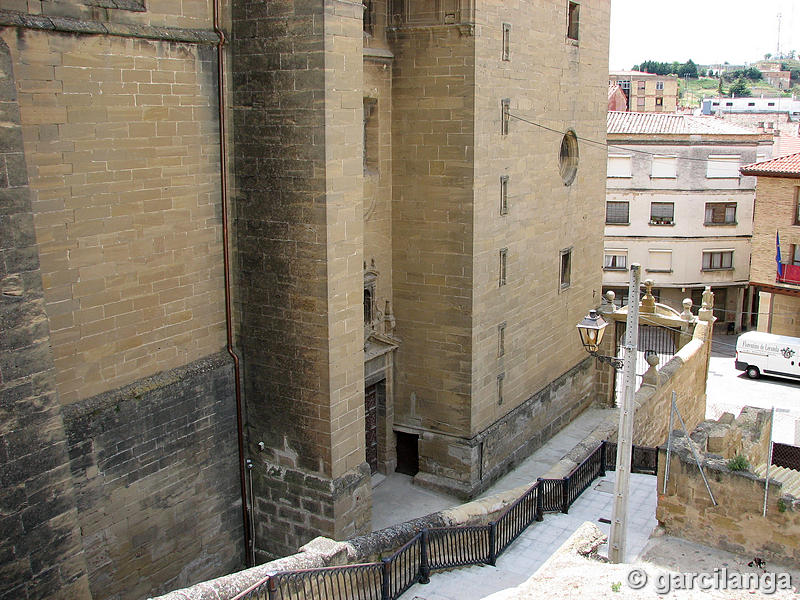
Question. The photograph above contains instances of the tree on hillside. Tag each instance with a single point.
(739, 88)
(688, 69)
(753, 74)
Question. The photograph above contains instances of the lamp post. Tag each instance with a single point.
(591, 333)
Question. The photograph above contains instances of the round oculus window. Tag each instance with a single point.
(568, 157)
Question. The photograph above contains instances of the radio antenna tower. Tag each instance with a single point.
(779, 35)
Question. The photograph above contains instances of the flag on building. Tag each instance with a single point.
(778, 255)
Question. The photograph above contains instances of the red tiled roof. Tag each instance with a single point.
(783, 166)
(670, 123)
(612, 89)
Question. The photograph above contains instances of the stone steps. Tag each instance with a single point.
(789, 477)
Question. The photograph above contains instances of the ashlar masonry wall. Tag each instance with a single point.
(120, 139)
(298, 110)
(40, 540)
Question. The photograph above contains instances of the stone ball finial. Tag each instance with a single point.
(687, 304)
(652, 359)
(610, 296)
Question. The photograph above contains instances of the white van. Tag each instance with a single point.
(770, 354)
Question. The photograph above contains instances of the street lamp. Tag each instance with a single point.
(591, 333)
(591, 330)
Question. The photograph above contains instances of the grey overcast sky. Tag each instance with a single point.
(707, 31)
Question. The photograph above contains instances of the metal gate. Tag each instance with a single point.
(652, 339)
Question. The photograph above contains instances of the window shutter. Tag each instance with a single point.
(660, 260)
(723, 166)
(619, 165)
(665, 166)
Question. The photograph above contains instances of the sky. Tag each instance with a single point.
(706, 31)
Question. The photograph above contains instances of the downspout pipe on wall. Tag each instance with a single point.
(223, 169)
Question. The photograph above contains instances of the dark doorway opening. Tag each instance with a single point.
(371, 425)
(407, 453)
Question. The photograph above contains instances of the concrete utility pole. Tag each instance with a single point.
(619, 525)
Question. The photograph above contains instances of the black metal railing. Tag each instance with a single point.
(785, 455)
(644, 459)
(447, 547)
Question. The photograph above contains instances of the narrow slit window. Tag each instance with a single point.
(501, 339)
(566, 268)
(573, 20)
(506, 113)
(506, 41)
(500, 379)
(504, 195)
(503, 265)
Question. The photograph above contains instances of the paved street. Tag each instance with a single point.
(729, 390)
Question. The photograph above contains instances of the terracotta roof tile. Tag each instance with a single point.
(670, 123)
(783, 165)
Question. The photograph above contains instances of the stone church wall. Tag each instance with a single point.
(119, 457)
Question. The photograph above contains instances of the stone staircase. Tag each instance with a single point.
(789, 477)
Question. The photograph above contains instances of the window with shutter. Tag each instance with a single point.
(615, 260)
(662, 213)
(659, 261)
(720, 213)
(619, 165)
(664, 167)
(718, 260)
(617, 213)
(722, 166)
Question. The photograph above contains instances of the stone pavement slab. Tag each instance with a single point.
(397, 499)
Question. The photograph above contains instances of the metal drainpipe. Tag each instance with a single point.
(223, 170)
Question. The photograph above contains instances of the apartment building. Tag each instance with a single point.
(677, 204)
(646, 92)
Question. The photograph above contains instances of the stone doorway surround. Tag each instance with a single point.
(379, 379)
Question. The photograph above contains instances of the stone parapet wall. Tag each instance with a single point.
(747, 435)
(736, 524)
(685, 374)
(155, 471)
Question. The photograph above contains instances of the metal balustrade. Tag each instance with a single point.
(447, 547)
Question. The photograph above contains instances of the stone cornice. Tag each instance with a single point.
(86, 27)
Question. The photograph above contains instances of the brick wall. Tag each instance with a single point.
(779, 314)
(40, 547)
(155, 471)
(774, 211)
